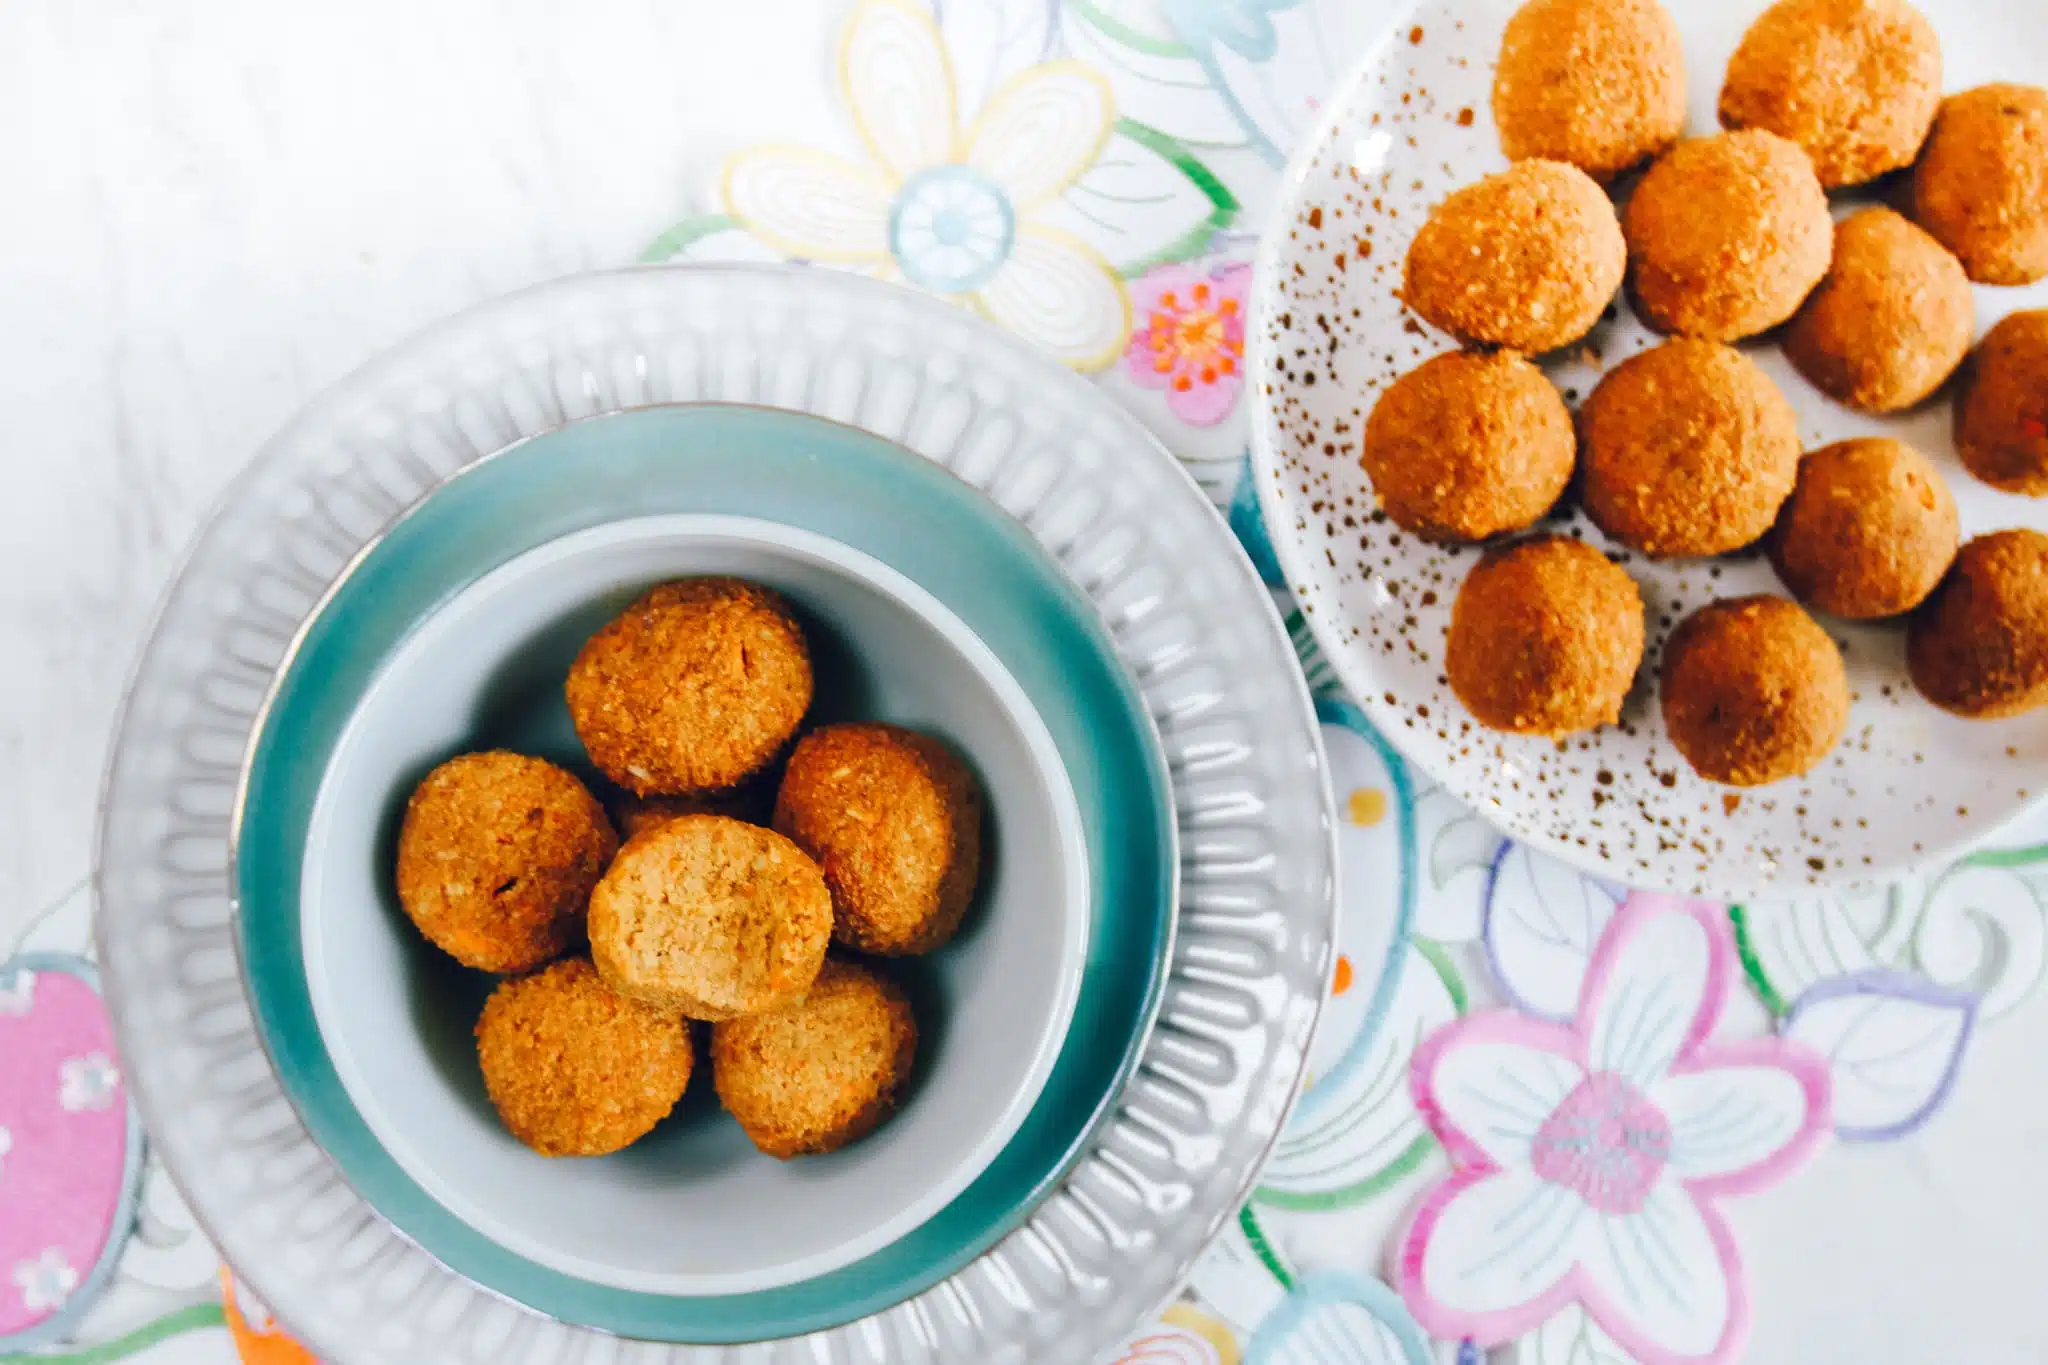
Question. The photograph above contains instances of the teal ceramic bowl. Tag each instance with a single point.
(864, 493)
(692, 1209)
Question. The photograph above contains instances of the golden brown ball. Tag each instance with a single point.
(893, 818)
(1868, 531)
(1754, 691)
(710, 917)
(1853, 82)
(1979, 645)
(1468, 445)
(1545, 638)
(1526, 258)
(2001, 420)
(1687, 449)
(576, 1069)
(1982, 183)
(1599, 84)
(496, 859)
(820, 1072)
(1890, 322)
(1727, 235)
(693, 688)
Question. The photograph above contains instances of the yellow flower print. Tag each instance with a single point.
(953, 205)
(1184, 1335)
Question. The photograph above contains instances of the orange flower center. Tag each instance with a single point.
(1193, 338)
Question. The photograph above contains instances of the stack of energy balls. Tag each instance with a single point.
(713, 910)
(1689, 449)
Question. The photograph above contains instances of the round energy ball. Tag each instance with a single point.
(1599, 84)
(1469, 444)
(693, 688)
(893, 819)
(710, 918)
(1869, 530)
(1545, 638)
(1979, 645)
(574, 1068)
(496, 859)
(1853, 82)
(2001, 418)
(1687, 449)
(1526, 258)
(819, 1072)
(1981, 186)
(1891, 321)
(1754, 691)
(1727, 235)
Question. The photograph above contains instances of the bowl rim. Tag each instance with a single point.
(1055, 788)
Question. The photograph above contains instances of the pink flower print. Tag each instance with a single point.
(1188, 339)
(1588, 1157)
(63, 1192)
(1607, 1142)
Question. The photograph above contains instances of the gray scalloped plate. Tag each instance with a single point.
(1181, 1145)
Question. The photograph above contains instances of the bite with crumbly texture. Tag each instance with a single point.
(818, 1073)
(497, 857)
(710, 917)
(694, 688)
(574, 1068)
(893, 818)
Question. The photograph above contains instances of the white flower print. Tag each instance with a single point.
(959, 202)
(88, 1082)
(45, 1282)
(17, 993)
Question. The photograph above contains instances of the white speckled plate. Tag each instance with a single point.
(1182, 1146)
(1907, 785)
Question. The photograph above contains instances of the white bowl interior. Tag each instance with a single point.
(693, 1208)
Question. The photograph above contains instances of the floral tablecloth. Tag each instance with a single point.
(1500, 1145)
